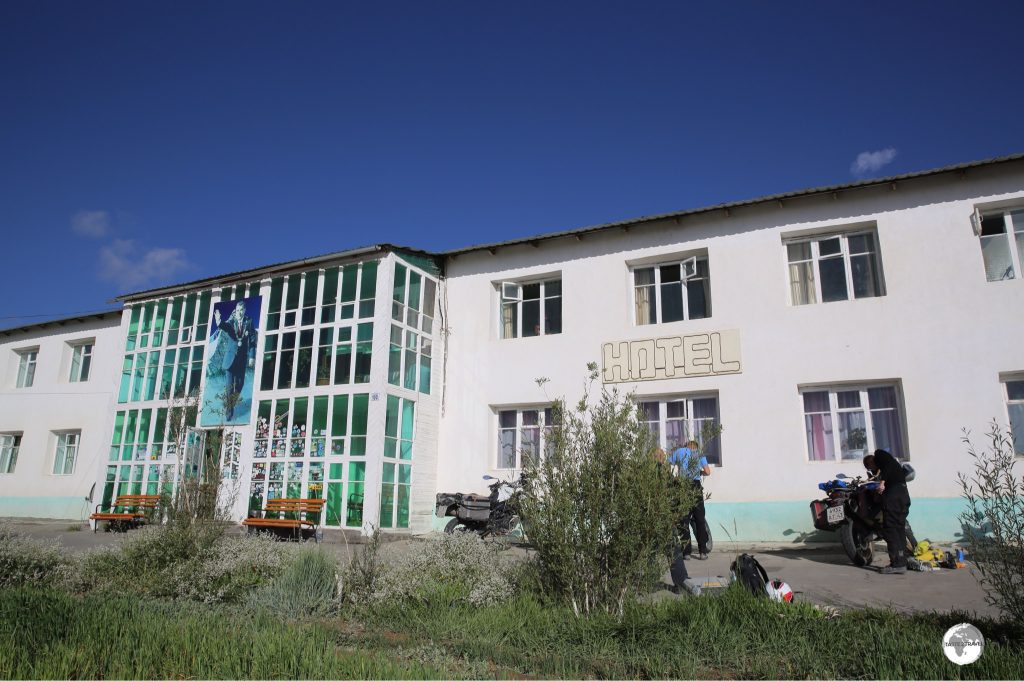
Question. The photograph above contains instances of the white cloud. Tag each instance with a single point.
(122, 262)
(91, 223)
(870, 162)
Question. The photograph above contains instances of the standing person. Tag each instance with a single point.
(237, 331)
(681, 458)
(895, 506)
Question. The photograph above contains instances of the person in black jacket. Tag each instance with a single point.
(895, 506)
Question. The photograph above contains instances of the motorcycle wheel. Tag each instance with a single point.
(856, 544)
(454, 526)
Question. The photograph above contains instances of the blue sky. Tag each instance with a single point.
(149, 143)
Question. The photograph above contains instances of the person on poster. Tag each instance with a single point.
(237, 337)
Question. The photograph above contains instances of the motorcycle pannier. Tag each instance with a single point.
(474, 507)
(818, 514)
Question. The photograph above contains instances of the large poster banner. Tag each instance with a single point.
(230, 363)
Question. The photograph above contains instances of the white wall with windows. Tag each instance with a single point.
(57, 383)
(870, 317)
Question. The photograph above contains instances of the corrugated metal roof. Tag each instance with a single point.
(262, 272)
(533, 240)
(60, 321)
(267, 270)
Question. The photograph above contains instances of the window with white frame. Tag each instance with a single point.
(66, 453)
(1002, 243)
(1015, 407)
(27, 367)
(10, 443)
(674, 421)
(846, 423)
(81, 362)
(835, 267)
(523, 434)
(531, 308)
(672, 291)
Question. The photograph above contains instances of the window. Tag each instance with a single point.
(27, 367)
(1015, 407)
(81, 362)
(675, 421)
(531, 309)
(67, 452)
(10, 443)
(523, 434)
(844, 424)
(834, 267)
(1002, 244)
(672, 292)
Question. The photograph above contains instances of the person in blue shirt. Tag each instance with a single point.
(681, 459)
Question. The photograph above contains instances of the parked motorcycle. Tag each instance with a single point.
(490, 515)
(853, 509)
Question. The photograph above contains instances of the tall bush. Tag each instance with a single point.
(994, 520)
(600, 507)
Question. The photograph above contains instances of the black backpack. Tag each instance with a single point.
(750, 574)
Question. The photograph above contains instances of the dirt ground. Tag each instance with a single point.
(820, 573)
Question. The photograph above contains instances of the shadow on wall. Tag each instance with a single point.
(809, 537)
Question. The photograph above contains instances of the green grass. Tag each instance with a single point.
(732, 635)
(52, 635)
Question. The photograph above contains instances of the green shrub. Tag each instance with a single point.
(191, 562)
(455, 569)
(306, 586)
(24, 561)
(994, 520)
(600, 507)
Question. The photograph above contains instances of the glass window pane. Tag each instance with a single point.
(669, 273)
(531, 291)
(1017, 426)
(1015, 390)
(848, 399)
(553, 315)
(886, 430)
(705, 408)
(507, 419)
(671, 301)
(408, 419)
(995, 250)
(801, 283)
(882, 398)
(799, 251)
(391, 417)
(865, 276)
(507, 448)
(833, 279)
(531, 317)
(853, 437)
(531, 417)
(993, 223)
(820, 446)
(644, 276)
(861, 243)
(816, 402)
(829, 247)
(698, 295)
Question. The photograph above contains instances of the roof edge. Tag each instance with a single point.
(803, 193)
(60, 321)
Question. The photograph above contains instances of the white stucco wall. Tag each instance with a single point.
(53, 404)
(942, 332)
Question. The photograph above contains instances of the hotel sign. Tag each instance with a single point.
(653, 359)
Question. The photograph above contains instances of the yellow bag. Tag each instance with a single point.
(926, 554)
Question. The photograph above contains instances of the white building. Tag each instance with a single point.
(56, 382)
(921, 335)
(813, 326)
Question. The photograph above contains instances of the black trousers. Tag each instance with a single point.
(699, 519)
(895, 506)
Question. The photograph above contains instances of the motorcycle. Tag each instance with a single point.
(853, 509)
(490, 515)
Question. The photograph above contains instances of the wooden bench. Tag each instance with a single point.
(135, 508)
(292, 515)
